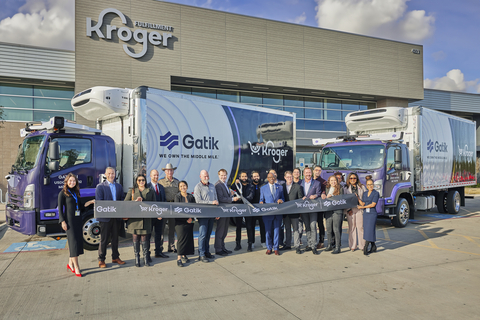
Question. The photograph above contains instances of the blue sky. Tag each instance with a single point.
(448, 30)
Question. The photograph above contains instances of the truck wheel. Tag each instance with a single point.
(453, 201)
(402, 214)
(91, 232)
(441, 202)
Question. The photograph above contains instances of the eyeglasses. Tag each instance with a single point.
(141, 180)
(369, 184)
(353, 178)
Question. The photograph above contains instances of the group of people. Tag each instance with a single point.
(275, 230)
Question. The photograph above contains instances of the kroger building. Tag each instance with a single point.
(319, 74)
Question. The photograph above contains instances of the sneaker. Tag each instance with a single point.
(264, 246)
(179, 263)
(203, 259)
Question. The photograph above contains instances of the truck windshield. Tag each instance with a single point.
(28, 153)
(360, 157)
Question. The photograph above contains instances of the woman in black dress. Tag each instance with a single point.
(184, 227)
(69, 208)
(140, 227)
(368, 203)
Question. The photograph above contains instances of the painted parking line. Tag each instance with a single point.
(36, 246)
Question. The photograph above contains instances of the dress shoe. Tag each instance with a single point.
(269, 252)
(71, 269)
(102, 264)
(320, 246)
(185, 260)
(365, 248)
(238, 247)
(221, 253)
(314, 251)
(170, 250)
(161, 255)
(203, 259)
(118, 260)
(329, 248)
(179, 263)
(298, 251)
(277, 253)
(228, 251)
(308, 249)
(373, 248)
(336, 251)
(209, 255)
(78, 275)
(249, 248)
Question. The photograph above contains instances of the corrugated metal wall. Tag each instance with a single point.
(449, 101)
(36, 63)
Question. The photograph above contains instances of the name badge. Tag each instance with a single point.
(77, 213)
(368, 210)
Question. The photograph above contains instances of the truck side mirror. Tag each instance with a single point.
(398, 159)
(53, 165)
(53, 151)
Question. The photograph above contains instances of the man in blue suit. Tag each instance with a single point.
(109, 190)
(312, 190)
(272, 193)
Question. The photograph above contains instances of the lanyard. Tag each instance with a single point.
(74, 197)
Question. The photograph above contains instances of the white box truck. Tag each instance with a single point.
(417, 157)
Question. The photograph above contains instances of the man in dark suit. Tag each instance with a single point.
(247, 193)
(291, 191)
(312, 190)
(224, 195)
(317, 171)
(109, 190)
(157, 224)
(272, 193)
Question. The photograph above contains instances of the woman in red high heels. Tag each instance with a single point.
(69, 216)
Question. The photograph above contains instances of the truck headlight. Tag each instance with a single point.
(378, 185)
(29, 197)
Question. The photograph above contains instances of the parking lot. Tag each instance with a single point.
(428, 270)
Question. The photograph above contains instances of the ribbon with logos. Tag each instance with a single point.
(133, 209)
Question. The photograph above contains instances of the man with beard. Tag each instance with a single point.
(256, 199)
(317, 171)
(205, 193)
(248, 193)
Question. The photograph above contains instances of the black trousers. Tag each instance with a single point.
(250, 223)
(321, 228)
(158, 225)
(110, 229)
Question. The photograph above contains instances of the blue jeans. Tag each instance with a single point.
(204, 232)
(272, 223)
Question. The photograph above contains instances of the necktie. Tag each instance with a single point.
(156, 189)
(272, 189)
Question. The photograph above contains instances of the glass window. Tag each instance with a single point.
(334, 126)
(363, 106)
(333, 104)
(349, 105)
(207, 93)
(52, 92)
(28, 153)
(366, 157)
(16, 102)
(273, 99)
(250, 97)
(46, 115)
(16, 89)
(184, 90)
(233, 96)
(314, 113)
(313, 103)
(333, 115)
(344, 114)
(307, 158)
(17, 115)
(293, 101)
(314, 125)
(74, 151)
(272, 107)
(371, 105)
(52, 104)
(299, 111)
(300, 124)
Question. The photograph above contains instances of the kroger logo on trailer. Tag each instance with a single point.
(125, 34)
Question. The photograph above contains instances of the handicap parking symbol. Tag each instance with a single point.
(37, 246)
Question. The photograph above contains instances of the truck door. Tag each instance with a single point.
(393, 176)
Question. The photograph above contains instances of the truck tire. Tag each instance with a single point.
(402, 213)
(441, 202)
(453, 201)
(91, 232)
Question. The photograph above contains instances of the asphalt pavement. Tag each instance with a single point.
(428, 270)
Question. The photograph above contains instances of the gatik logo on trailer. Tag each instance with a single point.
(125, 34)
(207, 143)
(268, 149)
(438, 146)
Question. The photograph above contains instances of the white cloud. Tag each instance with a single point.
(453, 81)
(439, 55)
(300, 19)
(44, 23)
(380, 18)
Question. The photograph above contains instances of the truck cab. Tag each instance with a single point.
(48, 153)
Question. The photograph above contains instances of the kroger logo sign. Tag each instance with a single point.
(153, 208)
(464, 152)
(268, 149)
(307, 204)
(234, 210)
(126, 35)
(189, 142)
